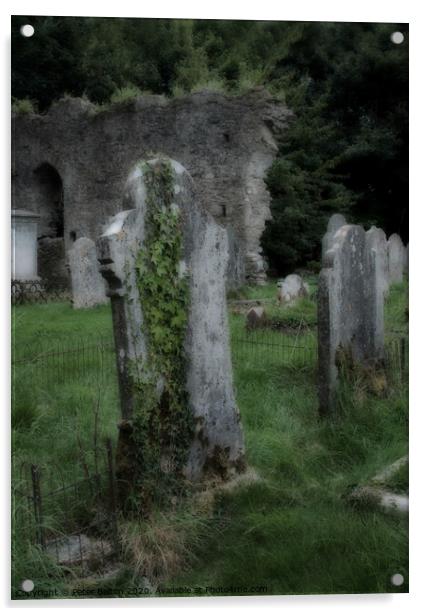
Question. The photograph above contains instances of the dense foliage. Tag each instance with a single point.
(347, 83)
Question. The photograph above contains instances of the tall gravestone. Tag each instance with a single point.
(165, 261)
(350, 306)
(376, 245)
(376, 241)
(396, 255)
(335, 222)
(87, 284)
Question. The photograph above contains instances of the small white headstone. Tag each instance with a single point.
(24, 245)
(292, 288)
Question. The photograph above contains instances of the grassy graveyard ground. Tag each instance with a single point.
(55, 405)
(288, 527)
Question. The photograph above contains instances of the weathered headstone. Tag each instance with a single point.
(88, 286)
(256, 317)
(350, 326)
(165, 261)
(376, 241)
(376, 245)
(24, 245)
(292, 288)
(396, 258)
(335, 222)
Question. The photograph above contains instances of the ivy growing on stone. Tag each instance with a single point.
(162, 423)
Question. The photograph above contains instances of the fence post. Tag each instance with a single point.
(113, 493)
(38, 510)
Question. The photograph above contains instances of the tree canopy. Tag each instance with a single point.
(347, 84)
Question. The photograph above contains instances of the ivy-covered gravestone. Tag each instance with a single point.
(165, 262)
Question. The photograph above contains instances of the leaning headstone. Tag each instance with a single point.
(350, 328)
(396, 258)
(292, 288)
(335, 222)
(87, 284)
(165, 261)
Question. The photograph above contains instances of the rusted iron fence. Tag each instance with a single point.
(298, 349)
(264, 346)
(35, 292)
(71, 517)
(46, 361)
(93, 357)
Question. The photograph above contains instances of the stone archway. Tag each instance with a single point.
(49, 192)
(50, 197)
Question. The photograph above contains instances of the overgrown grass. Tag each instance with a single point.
(295, 527)
(55, 420)
(124, 95)
(396, 308)
(33, 324)
(23, 106)
(397, 481)
(289, 529)
(267, 291)
(294, 531)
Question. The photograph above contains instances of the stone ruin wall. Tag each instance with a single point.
(226, 143)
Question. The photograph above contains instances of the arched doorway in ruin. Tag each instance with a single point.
(49, 193)
(50, 197)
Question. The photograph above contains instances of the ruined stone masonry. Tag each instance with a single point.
(70, 164)
(53, 264)
(148, 288)
(87, 284)
(350, 307)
